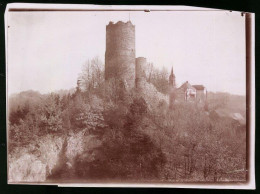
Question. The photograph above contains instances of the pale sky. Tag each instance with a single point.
(46, 50)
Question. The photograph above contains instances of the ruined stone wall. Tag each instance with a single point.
(140, 64)
(120, 52)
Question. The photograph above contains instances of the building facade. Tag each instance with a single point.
(191, 93)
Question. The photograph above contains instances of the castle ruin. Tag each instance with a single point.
(122, 65)
(120, 52)
(140, 64)
(120, 61)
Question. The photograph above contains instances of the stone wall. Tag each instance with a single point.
(140, 64)
(120, 52)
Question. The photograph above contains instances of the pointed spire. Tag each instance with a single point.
(172, 78)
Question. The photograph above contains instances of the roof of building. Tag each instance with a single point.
(198, 87)
(186, 85)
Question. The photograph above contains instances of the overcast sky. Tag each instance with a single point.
(46, 50)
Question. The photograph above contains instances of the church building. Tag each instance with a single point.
(186, 92)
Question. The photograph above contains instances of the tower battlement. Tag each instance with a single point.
(119, 24)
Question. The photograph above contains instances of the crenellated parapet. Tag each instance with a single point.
(120, 37)
(119, 24)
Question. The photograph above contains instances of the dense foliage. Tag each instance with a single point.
(124, 137)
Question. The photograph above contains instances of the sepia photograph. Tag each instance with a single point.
(128, 95)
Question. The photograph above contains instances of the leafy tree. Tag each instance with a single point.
(51, 115)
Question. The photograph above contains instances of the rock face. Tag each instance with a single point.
(36, 161)
(79, 143)
(120, 52)
(27, 168)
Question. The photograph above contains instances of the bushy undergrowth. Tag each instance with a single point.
(89, 136)
(110, 132)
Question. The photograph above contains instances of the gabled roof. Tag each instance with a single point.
(198, 87)
(186, 85)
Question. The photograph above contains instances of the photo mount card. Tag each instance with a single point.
(130, 96)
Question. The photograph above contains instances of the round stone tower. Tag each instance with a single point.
(140, 64)
(120, 52)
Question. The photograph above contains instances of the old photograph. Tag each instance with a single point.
(127, 97)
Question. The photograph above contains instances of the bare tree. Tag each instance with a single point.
(92, 75)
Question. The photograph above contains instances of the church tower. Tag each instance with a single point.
(172, 89)
(172, 80)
